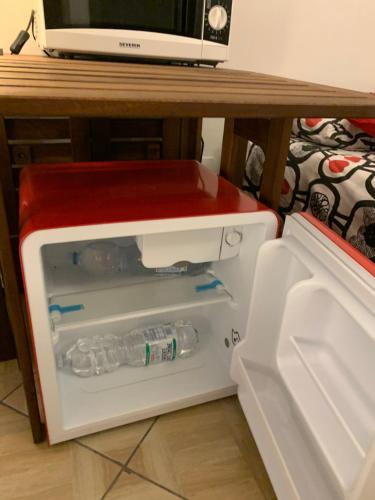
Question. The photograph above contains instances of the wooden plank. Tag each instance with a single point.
(97, 86)
(153, 151)
(41, 153)
(34, 128)
(80, 139)
(139, 150)
(127, 105)
(233, 154)
(276, 153)
(101, 139)
(126, 70)
(93, 89)
(136, 128)
(190, 139)
(171, 139)
(51, 80)
(255, 130)
(17, 322)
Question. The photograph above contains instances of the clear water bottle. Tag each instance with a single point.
(139, 347)
(181, 269)
(93, 356)
(101, 258)
(159, 343)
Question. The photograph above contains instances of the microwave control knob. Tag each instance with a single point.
(217, 18)
(233, 238)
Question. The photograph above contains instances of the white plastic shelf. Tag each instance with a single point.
(133, 393)
(137, 300)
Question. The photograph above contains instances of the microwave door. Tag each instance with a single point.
(174, 17)
(165, 30)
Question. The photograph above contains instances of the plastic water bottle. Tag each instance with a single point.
(106, 258)
(92, 356)
(139, 347)
(181, 269)
(159, 343)
(101, 258)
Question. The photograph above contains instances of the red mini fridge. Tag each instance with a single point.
(287, 323)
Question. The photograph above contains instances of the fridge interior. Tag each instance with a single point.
(311, 376)
(214, 296)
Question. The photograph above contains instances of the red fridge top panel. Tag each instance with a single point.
(78, 194)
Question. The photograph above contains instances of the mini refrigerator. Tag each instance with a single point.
(287, 323)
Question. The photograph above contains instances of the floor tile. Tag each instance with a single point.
(17, 400)
(204, 452)
(118, 443)
(132, 487)
(40, 472)
(10, 377)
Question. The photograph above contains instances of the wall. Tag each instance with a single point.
(14, 17)
(328, 42)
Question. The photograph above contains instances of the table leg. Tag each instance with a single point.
(276, 153)
(273, 136)
(233, 157)
(18, 325)
(182, 138)
(16, 316)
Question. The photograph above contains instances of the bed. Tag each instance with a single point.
(330, 173)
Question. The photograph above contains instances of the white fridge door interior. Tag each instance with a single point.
(306, 369)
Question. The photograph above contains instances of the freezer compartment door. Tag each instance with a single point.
(305, 370)
(213, 244)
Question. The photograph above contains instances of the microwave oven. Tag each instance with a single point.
(188, 31)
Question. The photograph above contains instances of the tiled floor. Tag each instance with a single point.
(201, 453)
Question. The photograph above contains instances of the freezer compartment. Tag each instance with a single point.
(101, 281)
(122, 287)
(80, 266)
(132, 393)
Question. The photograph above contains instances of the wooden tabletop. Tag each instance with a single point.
(48, 86)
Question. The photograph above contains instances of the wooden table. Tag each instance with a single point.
(256, 107)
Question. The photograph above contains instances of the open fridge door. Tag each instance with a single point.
(306, 368)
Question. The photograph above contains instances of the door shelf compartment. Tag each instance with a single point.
(351, 405)
(133, 393)
(305, 372)
(328, 368)
(277, 424)
(138, 300)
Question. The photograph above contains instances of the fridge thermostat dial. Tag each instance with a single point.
(233, 238)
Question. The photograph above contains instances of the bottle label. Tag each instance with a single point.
(159, 346)
(171, 270)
